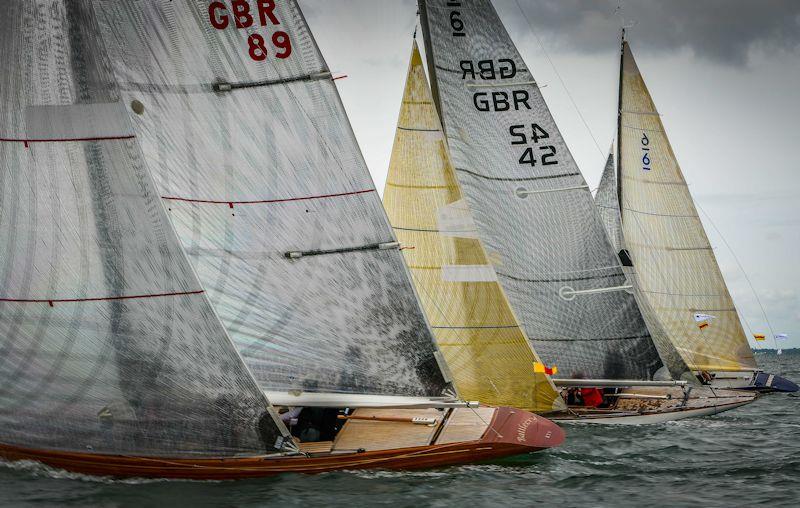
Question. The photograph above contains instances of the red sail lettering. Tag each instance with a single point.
(241, 14)
(265, 11)
(218, 21)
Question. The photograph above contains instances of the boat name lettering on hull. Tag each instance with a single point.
(241, 14)
(522, 429)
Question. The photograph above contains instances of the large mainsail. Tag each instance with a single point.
(531, 205)
(675, 266)
(484, 346)
(108, 343)
(256, 161)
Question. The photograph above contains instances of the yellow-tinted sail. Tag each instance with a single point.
(486, 350)
(675, 266)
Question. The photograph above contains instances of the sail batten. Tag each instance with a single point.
(267, 188)
(674, 266)
(532, 207)
(481, 340)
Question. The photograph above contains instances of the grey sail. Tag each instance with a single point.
(607, 202)
(108, 343)
(254, 157)
(532, 207)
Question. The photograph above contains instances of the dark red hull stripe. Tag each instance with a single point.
(99, 299)
(264, 201)
(64, 140)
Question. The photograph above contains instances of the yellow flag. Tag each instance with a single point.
(759, 336)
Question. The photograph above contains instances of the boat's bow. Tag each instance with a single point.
(517, 428)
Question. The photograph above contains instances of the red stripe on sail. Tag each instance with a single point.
(51, 301)
(264, 201)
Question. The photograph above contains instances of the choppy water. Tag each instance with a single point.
(743, 457)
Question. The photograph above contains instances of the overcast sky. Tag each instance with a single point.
(725, 74)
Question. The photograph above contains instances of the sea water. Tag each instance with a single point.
(747, 456)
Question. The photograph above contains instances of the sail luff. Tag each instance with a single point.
(674, 261)
(490, 358)
(532, 208)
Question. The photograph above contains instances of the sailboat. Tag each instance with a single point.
(483, 345)
(536, 219)
(653, 222)
(122, 356)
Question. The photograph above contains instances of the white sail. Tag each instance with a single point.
(108, 343)
(675, 266)
(256, 162)
(532, 207)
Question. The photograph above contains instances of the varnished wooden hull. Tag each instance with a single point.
(511, 432)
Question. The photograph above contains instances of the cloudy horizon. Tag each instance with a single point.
(724, 74)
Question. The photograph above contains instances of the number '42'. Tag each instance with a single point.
(520, 135)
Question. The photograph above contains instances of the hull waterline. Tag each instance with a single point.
(511, 432)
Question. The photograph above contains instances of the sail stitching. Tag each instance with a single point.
(51, 301)
(265, 201)
(520, 179)
(64, 140)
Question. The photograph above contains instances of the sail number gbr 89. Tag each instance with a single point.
(244, 14)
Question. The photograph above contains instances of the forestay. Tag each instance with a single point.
(483, 344)
(259, 169)
(675, 264)
(108, 343)
(531, 206)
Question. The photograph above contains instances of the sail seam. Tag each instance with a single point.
(264, 201)
(414, 129)
(64, 140)
(661, 214)
(521, 179)
(593, 277)
(632, 337)
(51, 301)
(435, 230)
(403, 186)
(474, 327)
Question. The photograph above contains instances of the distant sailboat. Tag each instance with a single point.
(652, 219)
(114, 360)
(535, 215)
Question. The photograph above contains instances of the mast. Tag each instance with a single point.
(434, 83)
(619, 120)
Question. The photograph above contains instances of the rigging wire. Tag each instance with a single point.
(561, 80)
(746, 276)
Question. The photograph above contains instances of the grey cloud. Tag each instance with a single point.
(722, 30)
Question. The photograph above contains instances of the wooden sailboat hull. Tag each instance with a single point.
(510, 432)
(652, 411)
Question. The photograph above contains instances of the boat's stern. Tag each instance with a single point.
(773, 383)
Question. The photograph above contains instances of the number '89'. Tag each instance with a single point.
(244, 16)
